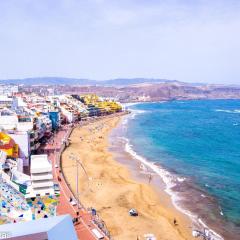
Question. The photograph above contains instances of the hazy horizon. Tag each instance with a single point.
(99, 39)
(123, 78)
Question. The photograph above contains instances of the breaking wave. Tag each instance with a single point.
(228, 111)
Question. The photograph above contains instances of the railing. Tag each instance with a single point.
(96, 219)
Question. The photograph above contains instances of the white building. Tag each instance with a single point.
(8, 90)
(18, 103)
(3, 157)
(5, 101)
(41, 175)
(54, 228)
(70, 117)
(9, 120)
(22, 139)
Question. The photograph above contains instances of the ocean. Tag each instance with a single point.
(194, 148)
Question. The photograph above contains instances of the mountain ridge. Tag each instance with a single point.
(83, 81)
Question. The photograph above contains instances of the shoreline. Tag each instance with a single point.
(162, 180)
(106, 175)
(187, 196)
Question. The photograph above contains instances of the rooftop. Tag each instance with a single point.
(40, 163)
(53, 228)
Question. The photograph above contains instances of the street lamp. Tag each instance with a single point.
(78, 163)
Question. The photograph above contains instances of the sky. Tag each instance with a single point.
(186, 40)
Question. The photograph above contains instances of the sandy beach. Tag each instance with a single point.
(110, 188)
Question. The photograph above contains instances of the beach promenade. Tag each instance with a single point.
(84, 224)
(109, 187)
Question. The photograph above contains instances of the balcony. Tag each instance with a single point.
(42, 184)
(41, 176)
(41, 192)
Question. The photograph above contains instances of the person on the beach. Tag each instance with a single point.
(149, 178)
(175, 222)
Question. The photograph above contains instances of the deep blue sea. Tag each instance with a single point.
(198, 141)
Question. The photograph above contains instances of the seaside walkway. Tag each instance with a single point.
(84, 226)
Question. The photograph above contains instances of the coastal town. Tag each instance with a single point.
(119, 120)
(56, 173)
(35, 130)
(56, 170)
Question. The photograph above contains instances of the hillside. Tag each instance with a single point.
(126, 90)
(76, 81)
(147, 91)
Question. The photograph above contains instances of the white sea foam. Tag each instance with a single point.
(134, 113)
(228, 111)
(125, 121)
(170, 181)
(181, 179)
(139, 111)
(130, 104)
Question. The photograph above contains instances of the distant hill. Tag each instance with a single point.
(133, 81)
(163, 91)
(48, 81)
(76, 81)
(131, 89)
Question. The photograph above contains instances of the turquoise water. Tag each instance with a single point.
(199, 140)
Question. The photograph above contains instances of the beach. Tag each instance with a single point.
(110, 188)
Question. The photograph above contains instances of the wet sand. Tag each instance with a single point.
(110, 188)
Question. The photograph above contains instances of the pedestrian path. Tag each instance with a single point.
(83, 225)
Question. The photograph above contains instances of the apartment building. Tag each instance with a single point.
(41, 175)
